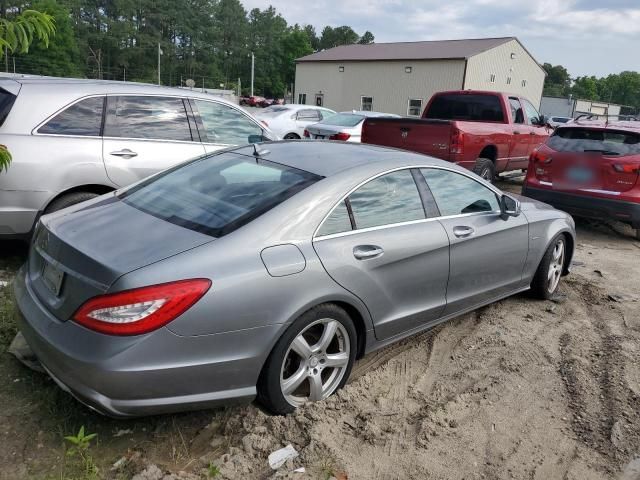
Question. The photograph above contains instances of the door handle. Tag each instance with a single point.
(516, 132)
(364, 252)
(463, 231)
(125, 153)
(532, 133)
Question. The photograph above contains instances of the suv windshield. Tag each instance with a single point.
(218, 194)
(458, 106)
(608, 142)
(343, 120)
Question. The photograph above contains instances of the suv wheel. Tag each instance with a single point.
(485, 168)
(311, 360)
(69, 199)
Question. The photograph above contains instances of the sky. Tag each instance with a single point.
(588, 37)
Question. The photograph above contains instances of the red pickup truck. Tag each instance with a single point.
(487, 132)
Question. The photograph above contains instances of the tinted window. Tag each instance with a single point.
(516, 110)
(82, 118)
(391, 198)
(531, 112)
(218, 194)
(6, 102)
(337, 222)
(147, 117)
(570, 139)
(486, 108)
(225, 124)
(343, 120)
(456, 194)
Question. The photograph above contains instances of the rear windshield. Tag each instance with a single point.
(484, 108)
(609, 142)
(343, 120)
(218, 194)
(6, 102)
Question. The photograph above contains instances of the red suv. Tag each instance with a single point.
(590, 168)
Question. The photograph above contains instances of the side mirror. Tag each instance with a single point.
(256, 138)
(542, 120)
(509, 206)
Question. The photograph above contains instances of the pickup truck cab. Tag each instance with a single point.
(486, 132)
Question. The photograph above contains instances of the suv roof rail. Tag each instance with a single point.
(592, 116)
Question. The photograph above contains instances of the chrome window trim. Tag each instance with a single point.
(495, 190)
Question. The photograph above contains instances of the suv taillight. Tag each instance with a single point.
(626, 168)
(340, 136)
(141, 310)
(456, 142)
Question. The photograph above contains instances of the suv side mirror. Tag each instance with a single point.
(509, 206)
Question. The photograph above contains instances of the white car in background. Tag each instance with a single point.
(289, 121)
(345, 126)
(555, 121)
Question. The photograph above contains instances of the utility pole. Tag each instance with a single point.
(159, 53)
(239, 87)
(252, 71)
(124, 74)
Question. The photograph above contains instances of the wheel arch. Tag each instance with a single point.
(490, 152)
(98, 189)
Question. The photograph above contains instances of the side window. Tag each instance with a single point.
(391, 198)
(82, 118)
(309, 115)
(160, 118)
(516, 110)
(224, 124)
(337, 222)
(531, 112)
(456, 194)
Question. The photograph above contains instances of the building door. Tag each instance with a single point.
(319, 99)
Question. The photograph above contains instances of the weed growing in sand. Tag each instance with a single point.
(79, 449)
(213, 471)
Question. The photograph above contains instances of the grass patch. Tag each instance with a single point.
(8, 327)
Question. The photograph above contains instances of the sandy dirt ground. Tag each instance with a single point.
(522, 389)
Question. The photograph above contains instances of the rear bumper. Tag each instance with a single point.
(19, 211)
(585, 206)
(160, 372)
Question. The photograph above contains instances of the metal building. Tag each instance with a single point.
(401, 77)
(572, 107)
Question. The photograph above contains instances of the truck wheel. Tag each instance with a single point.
(486, 169)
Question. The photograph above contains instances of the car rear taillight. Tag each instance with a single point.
(456, 142)
(141, 310)
(540, 157)
(626, 168)
(340, 136)
(306, 133)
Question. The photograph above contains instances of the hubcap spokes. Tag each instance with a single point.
(315, 363)
(555, 266)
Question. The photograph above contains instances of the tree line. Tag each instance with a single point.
(209, 41)
(621, 88)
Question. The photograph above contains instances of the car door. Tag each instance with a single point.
(488, 251)
(379, 244)
(538, 133)
(221, 125)
(146, 134)
(520, 140)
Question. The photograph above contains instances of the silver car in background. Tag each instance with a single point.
(345, 126)
(267, 271)
(72, 140)
(289, 121)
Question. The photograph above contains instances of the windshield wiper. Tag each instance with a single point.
(604, 152)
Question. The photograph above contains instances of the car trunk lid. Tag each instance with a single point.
(76, 257)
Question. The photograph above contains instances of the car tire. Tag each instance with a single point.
(547, 278)
(485, 168)
(309, 375)
(68, 200)
(292, 136)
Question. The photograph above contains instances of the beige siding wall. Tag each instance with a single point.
(387, 82)
(498, 62)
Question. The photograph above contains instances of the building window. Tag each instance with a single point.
(366, 104)
(341, 68)
(414, 109)
(492, 78)
(524, 83)
(508, 80)
(407, 69)
(302, 98)
(319, 99)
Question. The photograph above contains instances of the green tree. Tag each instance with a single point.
(334, 37)
(366, 38)
(18, 33)
(586, 88)
(557, 82)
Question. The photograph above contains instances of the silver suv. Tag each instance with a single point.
(72, 140)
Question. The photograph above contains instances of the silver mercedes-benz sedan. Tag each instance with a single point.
(267, 270)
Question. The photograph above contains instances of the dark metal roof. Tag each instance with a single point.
(430, 50)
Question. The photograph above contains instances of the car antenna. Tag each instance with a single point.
(259, 153)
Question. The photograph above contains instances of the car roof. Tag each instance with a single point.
(327, 158)
(603, 124)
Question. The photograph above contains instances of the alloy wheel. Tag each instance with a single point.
(555, 266)
(315, 362)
